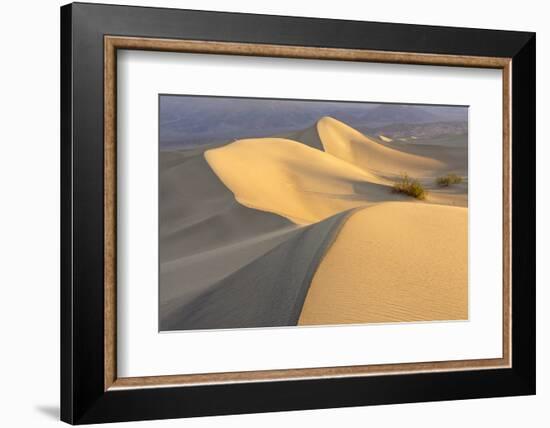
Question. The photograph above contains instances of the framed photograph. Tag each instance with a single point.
(265, 213)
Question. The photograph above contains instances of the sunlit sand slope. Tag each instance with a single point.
(393, 262)
(293, 180)
(348, 144)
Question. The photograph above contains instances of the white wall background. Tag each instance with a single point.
(29, 213)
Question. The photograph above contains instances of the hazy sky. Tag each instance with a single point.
(190, 120)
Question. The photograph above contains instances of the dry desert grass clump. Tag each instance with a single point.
(409, 186)
(447, 180)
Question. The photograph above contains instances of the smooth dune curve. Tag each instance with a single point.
(204, 233)
(267, 292)
(290, 179)
(350, 145)
(381, 267)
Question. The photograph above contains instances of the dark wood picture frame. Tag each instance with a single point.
(90, 36)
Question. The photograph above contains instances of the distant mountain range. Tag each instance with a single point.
(419, 130)
(192, 120)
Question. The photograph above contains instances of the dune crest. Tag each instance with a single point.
(350, 145)
(381, 267)
(293, 180)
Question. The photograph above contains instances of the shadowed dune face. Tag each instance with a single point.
(304, 228)
(268, 291)
(198, 213)
(309, 137)
(204, 234)
(392, 262)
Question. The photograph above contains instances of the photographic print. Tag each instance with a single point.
(284, 212)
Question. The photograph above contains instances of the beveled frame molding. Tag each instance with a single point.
(113, 43)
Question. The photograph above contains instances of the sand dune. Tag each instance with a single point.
(293, 180)
(249, 228)
(348, 144)
(205, 234)
(393, 262)
(424, 160)
(267, 292)
(186, 278)
(198, 213)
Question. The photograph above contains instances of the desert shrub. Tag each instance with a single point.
(409, 186)
(447, 180)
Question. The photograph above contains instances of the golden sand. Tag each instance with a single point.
(348, 144)
(393, 262)
(395, 259)
(284, 177)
